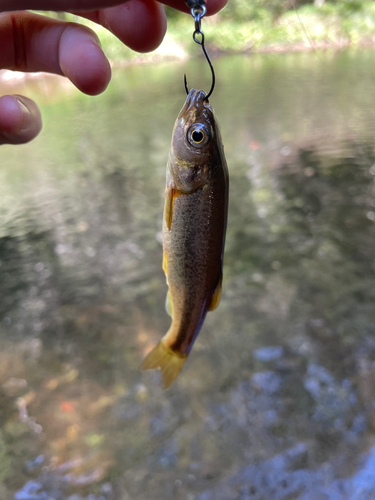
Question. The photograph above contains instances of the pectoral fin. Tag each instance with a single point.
(168, 207)
(170, 194)
(217, 295)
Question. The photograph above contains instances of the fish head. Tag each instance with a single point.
(194, 143)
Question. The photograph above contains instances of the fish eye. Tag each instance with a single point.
(198, 135)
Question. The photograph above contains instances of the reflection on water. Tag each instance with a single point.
(277, 400)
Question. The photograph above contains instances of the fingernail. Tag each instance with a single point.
(26, 116)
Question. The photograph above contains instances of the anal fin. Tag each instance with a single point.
(169, 304)
(217, 295)
(165, 263)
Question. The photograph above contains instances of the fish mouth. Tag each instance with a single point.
(196, 102)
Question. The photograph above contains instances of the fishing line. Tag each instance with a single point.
(304, 30)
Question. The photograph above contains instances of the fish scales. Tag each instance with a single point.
(194, 226)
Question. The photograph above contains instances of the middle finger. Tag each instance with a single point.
(139, 24)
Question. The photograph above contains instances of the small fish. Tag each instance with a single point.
(195, 218)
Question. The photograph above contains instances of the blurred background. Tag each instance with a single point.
(277, 399)
(257, 26)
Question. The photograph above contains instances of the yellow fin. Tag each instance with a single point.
(216, 296)
(165, 263)
(167, 360)
(168, 207)
(169, 304)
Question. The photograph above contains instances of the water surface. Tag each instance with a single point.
(277, 399)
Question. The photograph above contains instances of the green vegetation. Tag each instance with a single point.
(260, 25)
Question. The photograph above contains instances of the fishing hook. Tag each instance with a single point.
(198, 10)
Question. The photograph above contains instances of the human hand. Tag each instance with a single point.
(31, 42)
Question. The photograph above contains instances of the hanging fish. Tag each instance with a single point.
(195, 217)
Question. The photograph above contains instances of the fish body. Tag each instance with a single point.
(194, 225)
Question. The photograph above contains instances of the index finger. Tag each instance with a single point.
(213, 6)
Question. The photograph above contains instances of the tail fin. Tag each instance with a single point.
(167, 360)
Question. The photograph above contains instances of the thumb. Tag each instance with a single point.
(20, 119)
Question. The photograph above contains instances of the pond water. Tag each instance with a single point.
(277, 399)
